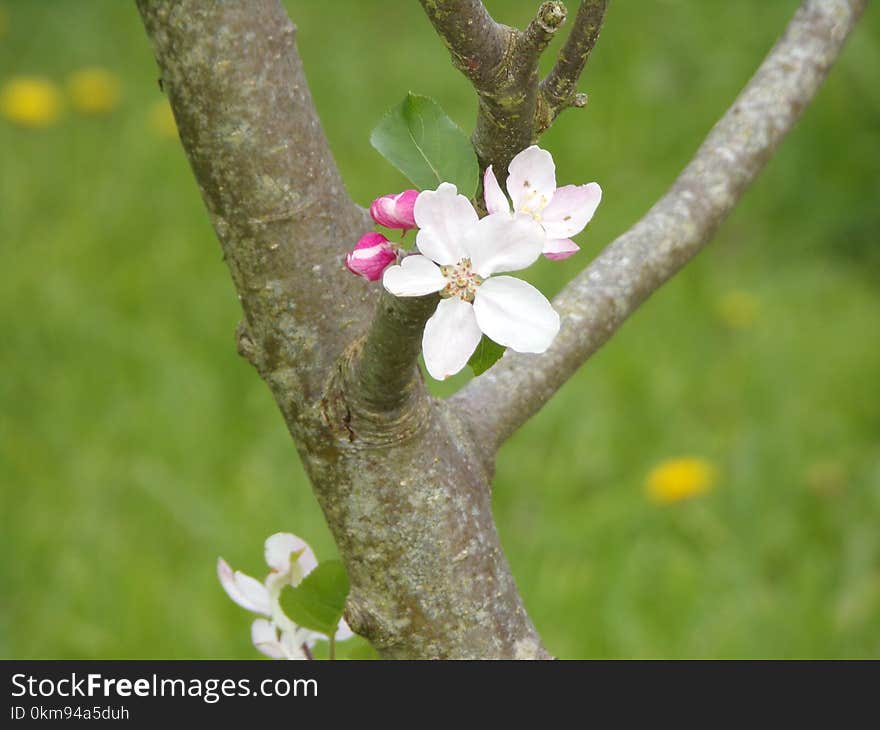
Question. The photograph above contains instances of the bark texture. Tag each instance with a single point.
(404, 479)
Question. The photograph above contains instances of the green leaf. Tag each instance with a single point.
(426, 145)
(485, 356)
(318, 601)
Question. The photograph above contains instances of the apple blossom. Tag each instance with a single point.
(290, 560)
(371, 256)
(459, 252)
(395, 211)
(531, 183)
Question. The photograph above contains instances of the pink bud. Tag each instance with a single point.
(395, 211)
(371, 256)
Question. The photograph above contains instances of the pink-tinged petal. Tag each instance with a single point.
(450, 338)
(532, 179)
(571, 208)
(443, 216)
(406, 207)
(395, 211)
(371, 256)
(382, 211)
(247, 592)
(416, 276)
(370, 240)
(280, 546)
(496, 200)
(264, 636)
(501, 242)
(515, 314)
(560, 248)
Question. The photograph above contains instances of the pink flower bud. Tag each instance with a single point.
(395, 211)
(371, 256)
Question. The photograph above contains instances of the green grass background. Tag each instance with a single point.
(136, 446)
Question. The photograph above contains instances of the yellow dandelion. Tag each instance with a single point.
(676, 479)
(162, 119)
(738, 310)
(94, 90)
(30, 101)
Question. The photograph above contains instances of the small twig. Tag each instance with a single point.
(385, 370)
(559, 89)
(538, 34)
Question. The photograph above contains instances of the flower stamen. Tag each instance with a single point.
(534, 203)
(462, 282)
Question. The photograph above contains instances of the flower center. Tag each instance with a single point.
(534, 203)
(461, 281)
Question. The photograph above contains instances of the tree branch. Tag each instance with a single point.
(383, 372)
(559, 90)
(475, 41)
(597, 302)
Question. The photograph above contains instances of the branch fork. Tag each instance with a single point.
(515, 106)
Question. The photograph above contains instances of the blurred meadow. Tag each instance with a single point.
(708, 485)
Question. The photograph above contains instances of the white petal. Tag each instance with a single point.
(292, 643)
(265, 639)
(501, 242)
(343, 633)
(450, 338)
(496, 200)
(247, 592)
(532, 175)
(443, 216)
(571, 209)
(415, 276)
(515, 314)
(279, 547)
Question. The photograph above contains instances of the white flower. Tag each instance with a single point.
(460, 251)
(290, 560)
(562, 212)
(272, 642)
